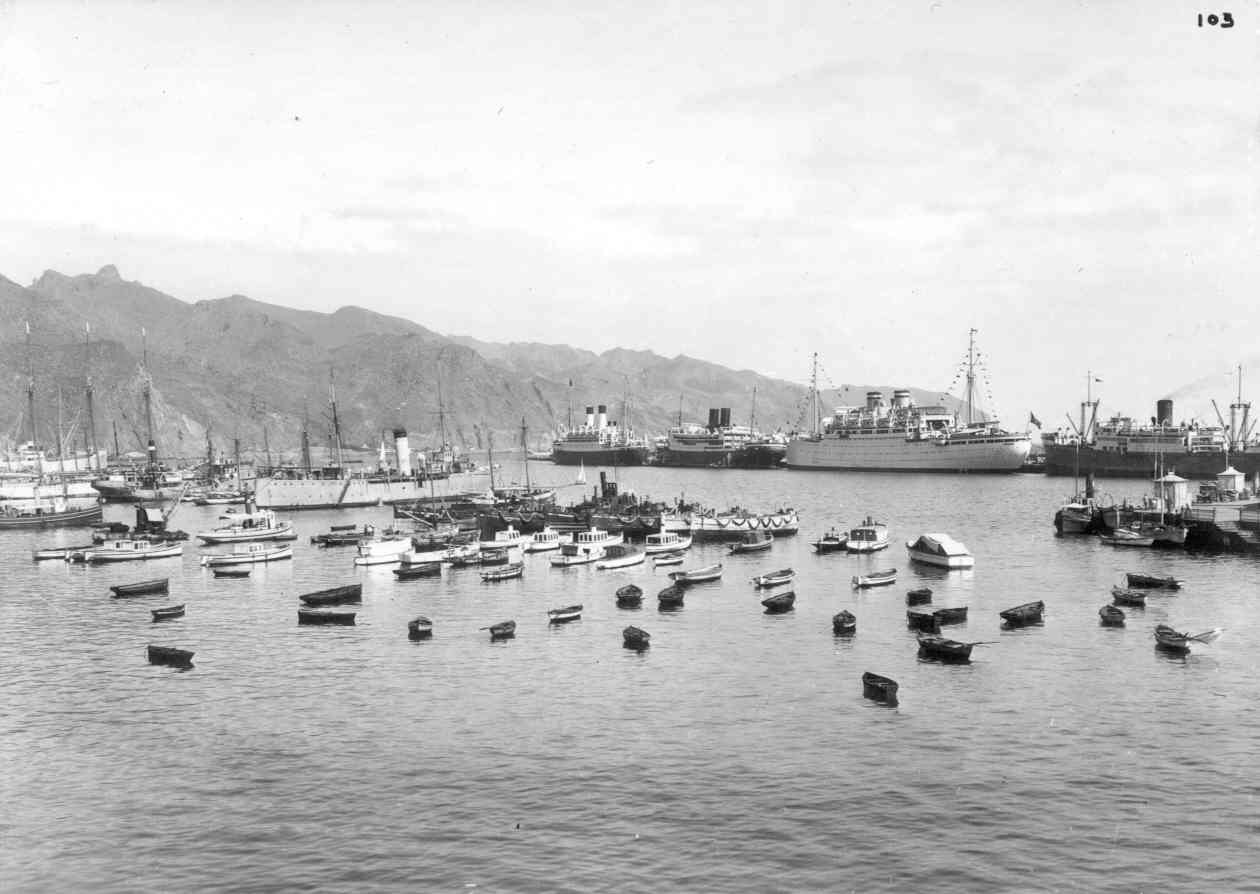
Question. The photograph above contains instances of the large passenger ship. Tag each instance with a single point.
(599, 443)
(903, 437)
(721, 445)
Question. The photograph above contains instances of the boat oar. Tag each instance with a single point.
(985, 642)
(1207, 636)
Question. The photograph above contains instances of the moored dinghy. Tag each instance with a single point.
(419, 627)
(667, 559)
(942, 649)
(168, 613)
(921, 596)
(779, 603)
(141, 588)
(671, 597)
(878, 688)
(875, 579)
(774, 578)
(1022, 615)
(564, 615)
(1172, 640)
(1110, 616)
(843, 623)
(635, 638)
(334, 595)
(753, 542)
(1147, 581)
(507, 572)
(955, 615)
(697, 575)
(502, 630)
(629, 596)
(170, 655)
(921, 620)
(319, 616)
(1132, 598)
(417, 570)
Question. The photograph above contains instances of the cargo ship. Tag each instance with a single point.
(903, 437)
(721, 445)
(599, 443)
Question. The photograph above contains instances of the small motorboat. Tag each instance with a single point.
(938, 647)
(169, 655)
(142, 588)
(671, 597)
(59, 552)
(666, 542)
(879, 689)
(1021, 615)
(620, 556)
(1110, 616)
(697, 575)
(868, 537)
(385, 550)
(543, 541)
(1125, 596)
(1126, 537)
(1171, 640)
(169, 613)
(779, 603)
(1149, 582)
(844, 623)
(774, 578)
(418, 569)
(753, 542)
(921, 596)
(875, 579)
(231, 572)
(635, 638)
(955, 615)
(248, 554)
(419, 627)
(920, 620)
(502, 630)
(334, 595)
(667, 559)
(507, 572)
(309, 616)
(564, 615)
(127, 550)
(629, 596)
(831, 542)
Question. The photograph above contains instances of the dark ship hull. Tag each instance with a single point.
(599, 456)
(1062, 460)
(752, 456)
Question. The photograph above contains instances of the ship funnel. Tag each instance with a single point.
(590, 417)
(725, 420)
(874, 399)
(715, 418)
(602, 421)
(901, 398)
(1164, 411)
(402, 450)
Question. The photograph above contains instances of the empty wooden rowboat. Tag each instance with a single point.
(419, 627)
(321, 616)
(142, 588)
(954, 615)
(879, 688)
(635, 638)
(334, 595)
(921, 596)
(1022, 615)
(779, 603)
(1131, 598)
(170, 655)
(502, 630)
(1110, 616)
(629, 596)
(843, 623)
(564, 615)
(168, 613)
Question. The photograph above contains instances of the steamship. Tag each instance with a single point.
(721, 445)
(599, 443)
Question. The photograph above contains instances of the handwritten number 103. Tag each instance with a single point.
(1225, 20)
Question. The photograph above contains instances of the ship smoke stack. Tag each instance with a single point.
(725, 420)
(715, 418)
(603, 417)
(402, 450)
(874, 399)
(590, 417)
(1164, 411)
(901, 398)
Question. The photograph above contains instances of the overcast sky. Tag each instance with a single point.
(742, 183)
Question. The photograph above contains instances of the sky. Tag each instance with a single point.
(743, 183)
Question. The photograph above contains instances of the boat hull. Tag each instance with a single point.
(753, 456)
(599, 456)
(68, 519)
(347, 493)
(1061, 459)
(894, 453)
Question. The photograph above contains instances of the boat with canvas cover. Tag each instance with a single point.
(940, 550)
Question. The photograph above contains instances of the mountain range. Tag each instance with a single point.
(236, 368)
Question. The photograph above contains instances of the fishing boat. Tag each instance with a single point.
(940, 550)
(774, 578)
(635, 638)
(920, 596)
(753, 542)
(1150, 582)
(668, 559)
(508, 538)
(671, 597)
(933, 646)
(779, 603)
(629, 596)
(56, 513)
(543, 541)
(1020, 615)
(167, 614)
(170, 655)
(620, 556)
(417, 570)
(334, 595)
(387, 550)
(1126, 537)
(157, 585)
(875, 579)
(666, 542)
(1110, 616)
(879, 689)
(128, 550)
(920, 620)
(868, 537)
(419, 627)
(564, 615)
(831, 542)
(58, 552)
(249, 554)
(315, 617)
(507, 572)
(231, 572)
(254, 524)
(502, 630)
(344, 535)
(1171, 640)
(1125, 596)
(843, 623)
(697, 575)
(954, 615)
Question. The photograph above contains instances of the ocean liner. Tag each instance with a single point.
(903, 437)
(598, 443)
(721, 445)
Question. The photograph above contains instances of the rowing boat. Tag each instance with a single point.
(875, 579)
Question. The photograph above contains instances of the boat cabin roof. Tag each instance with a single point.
(941, 544)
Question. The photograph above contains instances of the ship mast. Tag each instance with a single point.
(525, 452)
(88, 393)
(61, 454)
(971, 377)
(306, 441)
(148, 396)
(336, 423)
(30, 397)
(752, 418)
(490, 454)
(1237, 430)
(815, 410)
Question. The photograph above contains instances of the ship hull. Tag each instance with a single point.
(1062, 460)
(755, 457)
(893, 453)
(342, 493)
(599, 456)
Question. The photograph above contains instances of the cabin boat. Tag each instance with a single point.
(1020, 615)
(831, 542)
(671, 597)
(779, 603)
(385, 551)
(443, 551)
(940, 550)
(1110, 616)
(127, 550)
(875, 579)
(334, 595)
(502, 630)
(920, 620)
(868, 537)
(620, 556)
(249, 554)
(564, 615)
(144, 587)
(667, 559)
(666, 542)
(879, 689)
(933, 646)
(256, 524)
(169, 655)
(1124, 596)
(635, 638)
(753, 542)
(419, 627)
(955, 615)
(774, 578)
(315, 617)
(920, 596)
(168, 613)
(697, 575)
(843, 623)
(1150, 582)
(629, 596)
(488, 558)
(418, 569)
(507, 572)
(577, 554)
(506, 539)
(543, 541)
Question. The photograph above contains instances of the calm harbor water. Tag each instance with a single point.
(736, 754)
